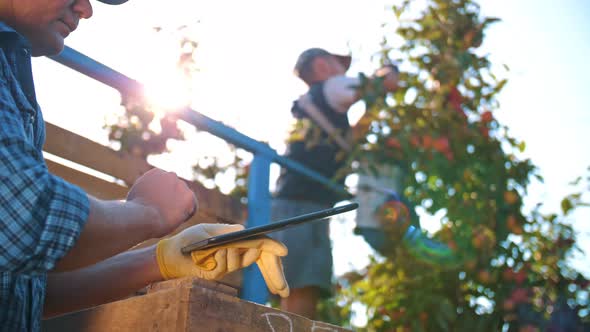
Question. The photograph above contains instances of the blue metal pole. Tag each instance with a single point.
(83, 64)
(235, 137)
(254, 287)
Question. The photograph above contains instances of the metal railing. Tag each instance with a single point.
(254, 288)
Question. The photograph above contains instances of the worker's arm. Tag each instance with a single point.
(390, 76)
(41, 215)
(109, 280)
(157, 203)
(46, 221)
(121, 275)
(341, 92)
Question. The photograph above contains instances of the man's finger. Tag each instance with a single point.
(250, 256)
(218, 229)
(233, 259)
(195, 207)
(220, 269)
(264, 244)
(272, 271)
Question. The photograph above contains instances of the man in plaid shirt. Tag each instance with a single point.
(60, 248)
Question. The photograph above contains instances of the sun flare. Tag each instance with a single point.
(167, 91)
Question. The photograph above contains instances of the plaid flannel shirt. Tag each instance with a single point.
(41, 215)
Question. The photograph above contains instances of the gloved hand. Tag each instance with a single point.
(214, 263)
(390, 75)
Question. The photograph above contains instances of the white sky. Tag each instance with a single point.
(248, 48)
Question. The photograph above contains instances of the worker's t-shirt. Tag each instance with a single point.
(311, 146)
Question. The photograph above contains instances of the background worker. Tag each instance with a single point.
(317, 145)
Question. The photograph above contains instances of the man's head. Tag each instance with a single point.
(46, 23)
(316, 65)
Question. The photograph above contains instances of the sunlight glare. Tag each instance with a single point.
(167, 91)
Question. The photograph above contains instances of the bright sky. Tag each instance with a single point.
(247, 50)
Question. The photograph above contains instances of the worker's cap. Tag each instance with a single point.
(303, 65)
(113, 2)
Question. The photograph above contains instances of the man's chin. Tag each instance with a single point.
(50, 46)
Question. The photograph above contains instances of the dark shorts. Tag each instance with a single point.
(309, 262)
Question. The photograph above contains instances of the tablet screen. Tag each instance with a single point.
(264, 229)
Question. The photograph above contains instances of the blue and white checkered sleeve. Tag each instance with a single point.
(41, 216)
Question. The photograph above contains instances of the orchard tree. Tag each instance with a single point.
(510, 266)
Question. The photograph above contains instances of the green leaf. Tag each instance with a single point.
(490, 20)
(500, 85)
(576, 181)
(566, 206)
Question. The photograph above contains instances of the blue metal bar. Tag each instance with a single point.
(92, 68)
(254, 288)
(245, 142)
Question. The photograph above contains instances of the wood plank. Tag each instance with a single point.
(164, 311)
(186, 306)
(128, 168)
(94, 186)
(192, 282)
(83, 151)
(211, 312)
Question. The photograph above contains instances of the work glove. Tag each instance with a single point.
(214, 263)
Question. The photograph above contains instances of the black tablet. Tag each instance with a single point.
(264, 229)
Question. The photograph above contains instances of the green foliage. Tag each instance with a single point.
(138, 130)
(461, 162)
(133, 130)
(238, 167)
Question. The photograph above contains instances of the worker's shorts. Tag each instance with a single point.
(309, 262)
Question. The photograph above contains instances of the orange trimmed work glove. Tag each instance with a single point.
(214, 263)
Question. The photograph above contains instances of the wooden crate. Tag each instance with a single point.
(176, 305)
(186, 305)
